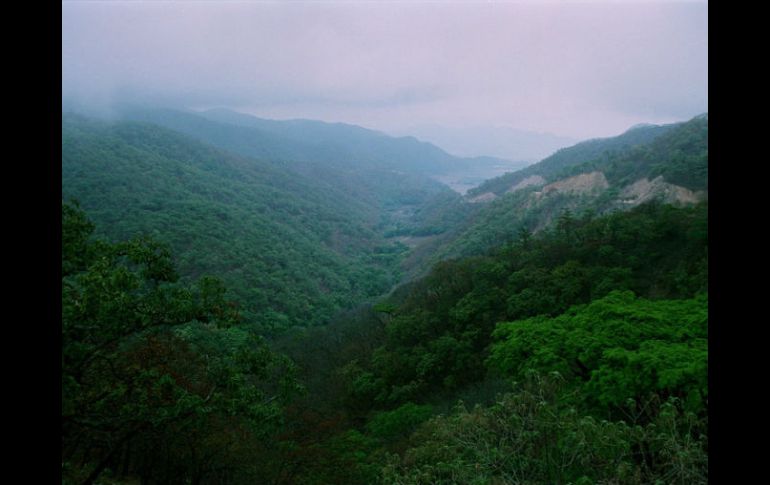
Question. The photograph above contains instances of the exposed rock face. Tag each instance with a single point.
(637, 193)
(579, 184)
(485, 197)
(644, 190)
(527, 182)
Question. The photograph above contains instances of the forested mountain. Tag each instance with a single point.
(678, 155)
(293, 249)
(554, 330)
(160, 379)
(333, 145)
(598, 375)
(351, 145)
(500, 141)
(358, 217)
(583, 152)
(667, 163)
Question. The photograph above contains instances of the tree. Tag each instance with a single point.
(616, 348)
(534, 435)
(143, 354)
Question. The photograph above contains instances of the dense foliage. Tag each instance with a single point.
(616, 348)
(436, 215)
(609, 313)
(679, 155)
(569, 344)
(331, 145)
(157, 379)
(437, 338)
(534, 436)
(294, 250)
(628, 403)
(553, 166)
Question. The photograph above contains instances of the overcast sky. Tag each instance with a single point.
(577, 69)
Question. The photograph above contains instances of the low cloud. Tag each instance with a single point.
(577, 70)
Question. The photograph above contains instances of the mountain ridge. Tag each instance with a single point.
(668, 163)
(339, 145)
(283, 242)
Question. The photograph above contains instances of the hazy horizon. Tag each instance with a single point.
(574, 70)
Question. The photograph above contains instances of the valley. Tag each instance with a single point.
(444, 242)
(319, 289)
(464, 180)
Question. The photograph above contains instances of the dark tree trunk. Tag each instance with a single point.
(100, 467)
(110, 456)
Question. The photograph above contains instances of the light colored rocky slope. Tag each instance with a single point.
(485, 197)
(527, 182)
(594, 183)
(585, 183)
(644, 190)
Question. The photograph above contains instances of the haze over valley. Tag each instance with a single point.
(347, 243)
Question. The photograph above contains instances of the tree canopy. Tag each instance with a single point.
(147, 360)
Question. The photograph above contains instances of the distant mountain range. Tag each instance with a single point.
(668, 163)
(497, 141)
(576, 154)
(295, 243)
(337, 145)
(299, 215)
(386, 299)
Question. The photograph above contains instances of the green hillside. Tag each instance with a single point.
(552, 166)
(578, 345)
(334, 145)
(674, 157)
(679, 155)
(293, 249)
(555, 334)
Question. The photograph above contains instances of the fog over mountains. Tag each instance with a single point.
(384, 242)
(496, 141)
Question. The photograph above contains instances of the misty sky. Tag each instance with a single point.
(570, 68)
